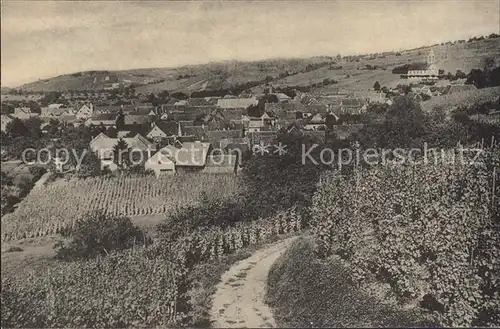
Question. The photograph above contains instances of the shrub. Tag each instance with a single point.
(14, 249)
(99, 234)
(126, 289)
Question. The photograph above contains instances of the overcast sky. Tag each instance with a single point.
(41, 39)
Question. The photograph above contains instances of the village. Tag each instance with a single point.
(250, 164)
(231, 127)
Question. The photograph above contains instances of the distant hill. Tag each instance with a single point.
(352, 75)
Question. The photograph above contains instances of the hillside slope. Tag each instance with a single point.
(353, 75)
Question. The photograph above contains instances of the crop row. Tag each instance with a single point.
(53, 208)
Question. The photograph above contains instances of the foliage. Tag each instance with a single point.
(404, 125)
(376, 86)
(428, 230)
(99, 234)
(126, 289)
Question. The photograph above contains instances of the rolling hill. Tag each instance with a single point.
(353, 75)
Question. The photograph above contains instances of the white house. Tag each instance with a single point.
(5, 120)
(85, 112)
(24, 113)
(103, 146)
(161, 163)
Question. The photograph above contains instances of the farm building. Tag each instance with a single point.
(104, 146)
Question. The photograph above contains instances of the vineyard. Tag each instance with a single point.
(142, 287)
(49, 210)
(430, 231)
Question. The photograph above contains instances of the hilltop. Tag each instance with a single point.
(354, 73)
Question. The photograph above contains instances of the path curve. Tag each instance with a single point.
(239, 298)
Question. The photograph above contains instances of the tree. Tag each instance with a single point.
(376, 86)
(120, 153)
(476, 77)
(16, 128)
(120, 120)
(33, 125)
(180, 96)
(99, 234)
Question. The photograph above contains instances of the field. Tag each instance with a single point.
(465, 98)
(49, 210)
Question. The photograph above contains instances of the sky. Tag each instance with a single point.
(41, 39)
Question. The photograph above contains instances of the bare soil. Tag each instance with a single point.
(239, 298)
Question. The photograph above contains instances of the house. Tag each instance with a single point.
(103, 146)
(136, 119)
(427, 72)
(222, 163)
(282, 97)
(262, 138)
(376, 98)
(55, 111)
(236, 103)
(352, 106)
(85, 112)
(215, 136)
(162, 130)
(199, 133)
(160, 163)
(105, 119)
(315, 122)
(24, 113)
(5, 120)
(188, 156)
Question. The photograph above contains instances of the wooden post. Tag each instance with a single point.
(493, 193)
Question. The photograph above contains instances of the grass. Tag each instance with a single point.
(307, 292)
(465, 98)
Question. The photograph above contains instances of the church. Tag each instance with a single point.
(430, 73)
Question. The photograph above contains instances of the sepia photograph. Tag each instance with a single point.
(250, 164)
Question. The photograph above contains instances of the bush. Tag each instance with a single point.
(99, 234)
(127, 289)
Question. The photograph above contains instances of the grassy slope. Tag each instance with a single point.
(464, 98)
(221, 75)
(307, 292)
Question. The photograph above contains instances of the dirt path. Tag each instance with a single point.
(239, 299)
